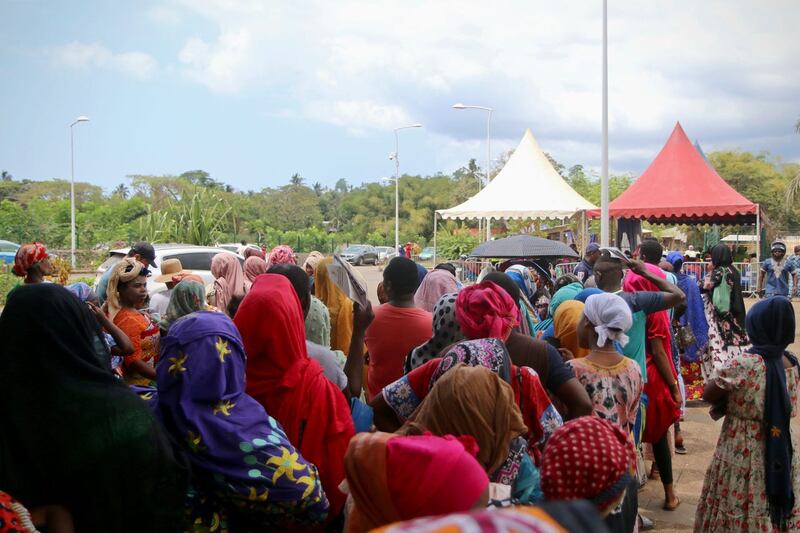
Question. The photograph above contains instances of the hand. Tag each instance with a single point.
(638, 267)
(362, 317)
(676, 394)
(566, 354)
(98, 313)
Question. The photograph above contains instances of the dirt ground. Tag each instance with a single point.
(700, 439)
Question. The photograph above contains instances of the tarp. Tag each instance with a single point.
(528, 187)
(680, 186)
(523, 246)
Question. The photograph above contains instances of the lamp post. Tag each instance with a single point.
(604, 220)
(488, 149)
(396, 157)
(72, 186)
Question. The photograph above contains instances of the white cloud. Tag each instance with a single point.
(723, 69)
(86, 56)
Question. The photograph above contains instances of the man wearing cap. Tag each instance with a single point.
(776, 270)
(170, 269)
(142, 252)
(585, 268)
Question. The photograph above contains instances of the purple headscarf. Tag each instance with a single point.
(232, 443)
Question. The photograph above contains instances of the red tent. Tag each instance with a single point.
(681, 187)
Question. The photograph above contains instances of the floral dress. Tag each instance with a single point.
(727, 338)
(614, 390)
(734, 495)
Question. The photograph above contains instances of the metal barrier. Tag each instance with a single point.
(748, 274)
(469, 270)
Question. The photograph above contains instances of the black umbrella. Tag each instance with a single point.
(523, 246)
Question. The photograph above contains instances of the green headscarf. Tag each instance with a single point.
(187, 297)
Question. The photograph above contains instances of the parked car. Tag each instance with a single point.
(385, 254)
(359, 254)
(426, 254)
(194, 258)
(234, 247)
(8, 251)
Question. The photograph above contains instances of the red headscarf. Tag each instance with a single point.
(587, 458)
(385, 472)
(486, 310)
(27, 256)
(290, 386)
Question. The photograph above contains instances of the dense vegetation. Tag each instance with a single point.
(196, 208)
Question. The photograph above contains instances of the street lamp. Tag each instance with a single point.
(72, 186)
(396, 157)
(488, 149)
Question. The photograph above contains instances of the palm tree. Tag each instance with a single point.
(793, 189)
(121, 191)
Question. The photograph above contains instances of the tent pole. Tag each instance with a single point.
(604, 222)
(758, 233)
(488, 229)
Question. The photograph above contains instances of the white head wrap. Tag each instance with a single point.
(610, 316)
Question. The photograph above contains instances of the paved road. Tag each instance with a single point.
(700, 435)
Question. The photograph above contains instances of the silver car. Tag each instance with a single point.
(385, 254)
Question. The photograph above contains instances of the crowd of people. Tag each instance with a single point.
(277, 398)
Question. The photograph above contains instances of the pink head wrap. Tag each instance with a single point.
(436, 284)
(252, 252)
(253, 266)
(486, 310)
(281, 255)
(229, 279)
(445, 466)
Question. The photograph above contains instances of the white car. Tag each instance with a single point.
(234, 247)
(194, 258)
(385, 254)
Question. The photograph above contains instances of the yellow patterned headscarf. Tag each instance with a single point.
(126, 270)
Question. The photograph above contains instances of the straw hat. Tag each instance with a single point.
(170, 268)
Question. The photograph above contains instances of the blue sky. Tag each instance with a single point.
(254, 91)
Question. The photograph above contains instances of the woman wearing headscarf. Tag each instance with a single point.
(421, 273)
(385, 473)
(564, 294)
(228, 279)
(575, 516)
(472, 400)
(435, 284)
(565, 328)
(125, 296)
(661, 388)
(613, 382)
(82, 439)
(398, 401)
(281, 255)
(253, 267)
(253, 252)
(589, 459)
(340, 307)
(311, 262)
(694, 317)
(32, 263)
(291, 387)
(446, 332)
(521, 275)
(188, 296)
(724, 310)
(245, 472)
(753, 482)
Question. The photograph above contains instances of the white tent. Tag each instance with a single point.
(528, 187)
